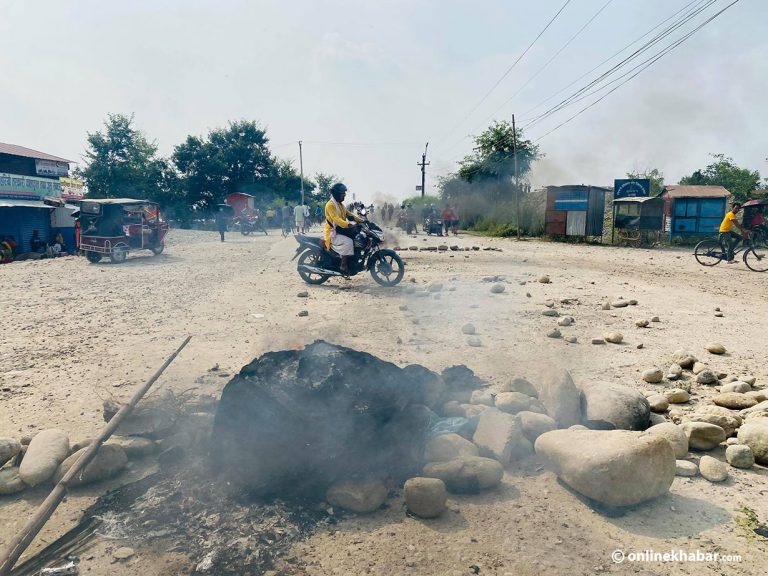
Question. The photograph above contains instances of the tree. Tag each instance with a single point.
(740, 182)
(654, 175)
(494, 155)
(120, 161)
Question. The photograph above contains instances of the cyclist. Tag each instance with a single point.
(728, 238)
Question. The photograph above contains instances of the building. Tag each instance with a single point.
(694, 210)
(241, 201)
(35, 189)
(575, 210)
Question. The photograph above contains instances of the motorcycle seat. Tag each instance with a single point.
(310, 239)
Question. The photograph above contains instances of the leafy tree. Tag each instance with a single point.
(740, 182)
(121, 162)
(654, 175)
(324, 181)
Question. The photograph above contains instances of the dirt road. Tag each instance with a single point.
(73, 334)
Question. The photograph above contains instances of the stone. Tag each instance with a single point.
(303, 294)
(597, 341)
(448, 447)
(633, 302)
(483, 396)
(544, 279)
(474, 341)
(727, 422)
(653, 375)
(686, 468)
(677, 395)
(500, 435)
(613, 337)
(702, 435)
(608, 406)
(535, 424)
(657, 419)
(46, 451)
(739, 456)
(673, 434)
(470, 474)
(606, 306)
(550, 312)
(658, 403)
(731, 441)
(655, 319)
(362, 497)
(620, 303)
(9, 447)
(740, 387)
(719, 314)
(759, 395)
(614, 467)
(715, 348)
(497, 288)
(706, 377)
(554, 333)
(642, 323)
(675, 370)
(684, 358)
(303, 313)
(425, 497)
(468, 329)
(734, 400)
(749, 380)
(698, 367)
(135, 447)
(10, 482)
(514, 402)
(754, 433)
(123, 553)
(571, 339)
(520, 385)
(712, 469)
(560, 397)
(109, 461)
(566, 321)
(472, 410)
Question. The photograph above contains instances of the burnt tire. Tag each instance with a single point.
(310, 258)
(387, 268)
(93, 257)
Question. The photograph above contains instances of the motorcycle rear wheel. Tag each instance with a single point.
(310, 258)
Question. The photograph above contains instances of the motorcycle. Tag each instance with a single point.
(433, 226)
(250, 224)
(317, 264)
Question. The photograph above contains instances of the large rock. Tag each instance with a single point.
(673, 434)
(734, 400)
(514, 402)
(520, 385)
(46, 451)
(653, 375)
(560, 397)
(470, 474)
(739, 456)
(728, 422)
(361, 497)
(9, 447)
(535, 424)
(10, 483)
(702, 435)
(109, 461)
(447, 447)
(684, 359)
(754, 433)
(712, 469)
(609, 406)
(425, 497)
(615, 467)
(500, 436)
(300, 420)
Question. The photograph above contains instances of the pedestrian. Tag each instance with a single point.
(287, 217)
(299, 218)
(221, 221)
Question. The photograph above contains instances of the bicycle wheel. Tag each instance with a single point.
(756, 258)
(709, 252)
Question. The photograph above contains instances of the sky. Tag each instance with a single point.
(365, 84)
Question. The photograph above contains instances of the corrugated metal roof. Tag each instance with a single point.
(680, 191)
(29, 153)
(14, 203)
(117, 201)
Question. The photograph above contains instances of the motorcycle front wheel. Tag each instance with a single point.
(386, 268)
(310, 258)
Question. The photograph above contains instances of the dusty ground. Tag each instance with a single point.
(73, 333)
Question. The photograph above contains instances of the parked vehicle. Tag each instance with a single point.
(248, 224)
(317, 264)
(115, 226)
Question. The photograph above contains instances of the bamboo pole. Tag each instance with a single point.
(25, 537)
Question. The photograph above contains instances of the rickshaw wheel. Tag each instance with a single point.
(119, 254)
(157, 250)
(93, 257)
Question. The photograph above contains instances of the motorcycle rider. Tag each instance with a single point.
(339, 231)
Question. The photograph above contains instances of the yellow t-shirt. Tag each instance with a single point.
(727, 224)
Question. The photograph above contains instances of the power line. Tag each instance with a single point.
(657, 58)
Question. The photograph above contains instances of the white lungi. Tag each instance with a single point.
(343, 245)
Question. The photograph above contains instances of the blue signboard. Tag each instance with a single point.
(572, 200)
(631, 187)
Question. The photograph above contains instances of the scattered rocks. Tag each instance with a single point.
(739, 387)
(46, 451)
(616, 467)
(684, 358)
(560, 397)
(608, 406)
(10, 482)
(566, 321)
(497, 288)
(734, 400)
(500, 435)
(361, 497)
(658, 403)
(642, 323)
(613, 337)
(468, 329)
(706, 376)
(544, 279)
(9, 447)
(702, 435)
(715, 348)
(686, 468)
(555, 333)
(620, 303)
(739, 456)
(754, 433)
(425, 497)
(535, 424)
(673, 434)
(448, 447)
(470, 474)
(108, 462)
(712, 469)
(474, 341)
(677, 396)
(653, 375)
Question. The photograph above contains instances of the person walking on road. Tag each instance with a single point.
(287, 214)
(221, 221)
(299, 218)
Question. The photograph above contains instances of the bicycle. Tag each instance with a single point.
(711, 252)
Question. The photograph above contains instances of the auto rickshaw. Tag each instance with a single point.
(754, 220)
(115, 226)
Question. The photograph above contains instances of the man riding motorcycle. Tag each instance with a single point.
(339, 231)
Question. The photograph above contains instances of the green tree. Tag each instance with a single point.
(323, 181)
(121, 162)
(723, 171)
(654, 175)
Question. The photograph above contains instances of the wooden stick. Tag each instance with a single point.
(24, 538)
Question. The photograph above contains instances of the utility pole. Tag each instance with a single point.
(301, 168)
(423, 165)
(517, 180)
